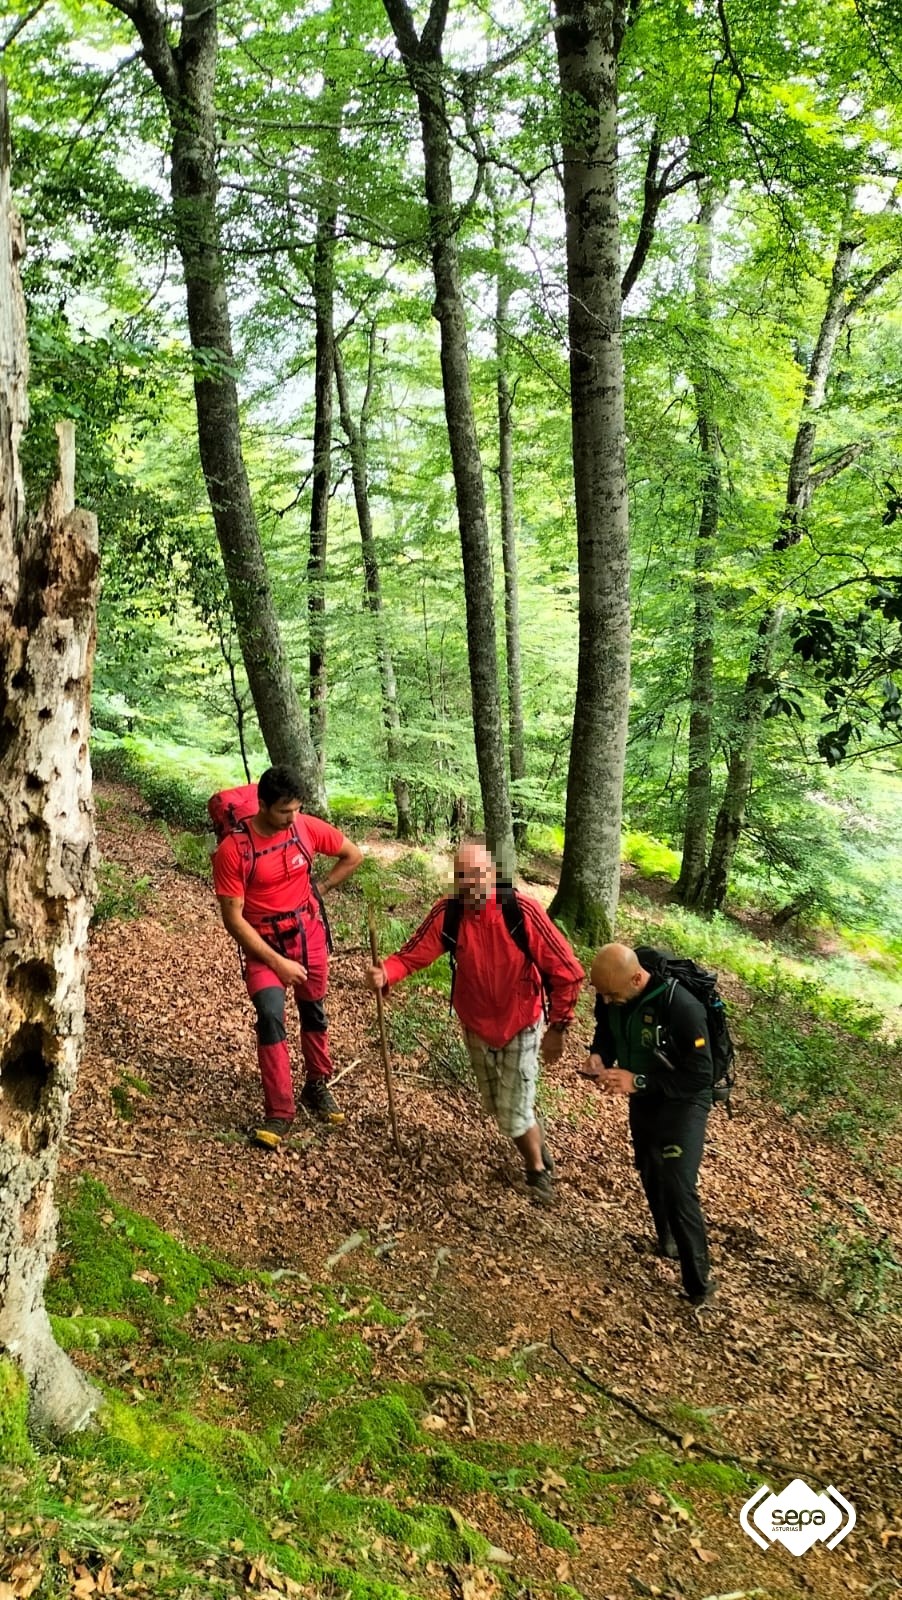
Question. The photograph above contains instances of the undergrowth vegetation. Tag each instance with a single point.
(824, 1055)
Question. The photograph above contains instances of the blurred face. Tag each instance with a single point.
(474, 876)
(280, 814)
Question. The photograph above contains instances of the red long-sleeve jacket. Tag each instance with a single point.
(496, 992)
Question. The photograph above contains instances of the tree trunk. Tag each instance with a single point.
(759, 685)
(323, 296)
(48, 596)
(185, 75)
(588, 36)
(356, 435)
(422, 58)
(701, 692)
(516, 743)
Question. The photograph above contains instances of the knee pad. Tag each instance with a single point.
(269, 1005)
(313, 1016)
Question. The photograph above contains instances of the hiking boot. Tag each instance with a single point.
(704, 1296)
(318, 1099)
(541, 1187)
(270, 1133)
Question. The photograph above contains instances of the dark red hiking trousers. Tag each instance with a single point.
(306, 943)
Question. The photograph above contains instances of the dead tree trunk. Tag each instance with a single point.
(48, 595)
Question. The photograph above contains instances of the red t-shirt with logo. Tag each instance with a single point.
(281, 877)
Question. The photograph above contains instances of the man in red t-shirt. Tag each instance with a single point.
(497, 994)
(269, 904)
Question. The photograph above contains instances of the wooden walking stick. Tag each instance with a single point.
(383, 1040)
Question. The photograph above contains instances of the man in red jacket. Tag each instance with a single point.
(270, 906)
(497, 992)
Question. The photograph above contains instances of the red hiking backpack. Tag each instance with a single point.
(231, 806)
(229, 811)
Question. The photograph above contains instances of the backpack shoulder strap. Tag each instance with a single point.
(512, 912)
(302, 846)
(451, 924)
(450, 930)
(244, 844)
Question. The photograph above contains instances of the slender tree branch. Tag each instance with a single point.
(655, 190)
(370, 379)
(837, 463)
(22, 23)
(874, 282)
(751, 1464)
(875, 41)
(739, 75)
(401, 18)
(860, 577)
(126, 8)
(127, 61)
(151, 25)
(650, 204)
(434, 30)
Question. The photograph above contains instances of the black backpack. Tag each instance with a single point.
(703, 985)
(507, 898)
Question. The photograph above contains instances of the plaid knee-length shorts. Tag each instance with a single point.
(507, 1078)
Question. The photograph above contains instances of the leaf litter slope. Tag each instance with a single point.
(779, 1374)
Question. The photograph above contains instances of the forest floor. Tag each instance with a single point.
(621, 1430)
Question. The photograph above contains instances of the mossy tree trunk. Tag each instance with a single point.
(48, 595)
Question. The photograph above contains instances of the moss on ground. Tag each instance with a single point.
(15, 1446)
(90, 1333)
(115, 1261)
(276, 1444)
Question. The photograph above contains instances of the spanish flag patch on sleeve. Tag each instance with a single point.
(700, 1044)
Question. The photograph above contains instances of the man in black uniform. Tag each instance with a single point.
(651, 1043)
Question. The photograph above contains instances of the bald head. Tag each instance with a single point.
(617, 974)
(474, 874)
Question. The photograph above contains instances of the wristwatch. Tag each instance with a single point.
(639, 1080)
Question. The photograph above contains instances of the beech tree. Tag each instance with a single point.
(355, 431)
(589, 36)
(48, 597)
(185, 74)
(701, 688)
(422, 58)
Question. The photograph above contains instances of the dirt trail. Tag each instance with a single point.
(786, 1378)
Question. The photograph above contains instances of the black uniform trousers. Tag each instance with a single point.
(668, 1141)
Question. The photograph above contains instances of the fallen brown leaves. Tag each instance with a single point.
(774, 1371)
